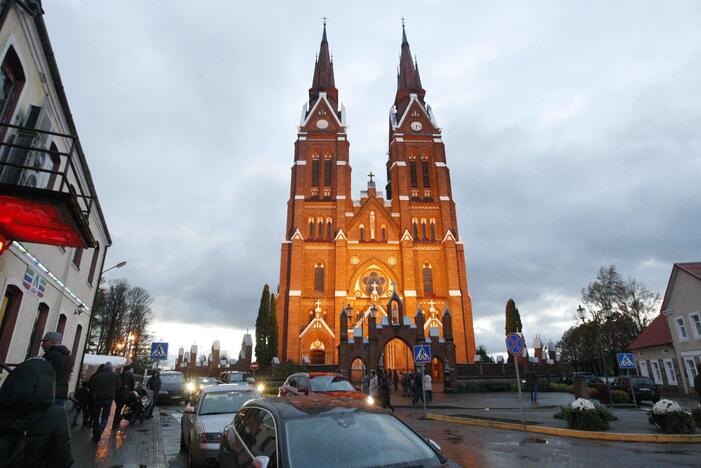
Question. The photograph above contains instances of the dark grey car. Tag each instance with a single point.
(172, 387)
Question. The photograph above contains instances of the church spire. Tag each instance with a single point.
(323, 80)
(408, 79)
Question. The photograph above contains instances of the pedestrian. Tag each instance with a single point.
(82, 403)
(697, 386)
(417, 384)
(60, 359)
(103, 388)
(532, 382)
(33, 429)
(405, 384)
(396, 380)
(384, 392)
(365, 384)
(126, 386)
(428, 387)
(153, 384)
(374, 384)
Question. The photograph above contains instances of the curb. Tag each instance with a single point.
(609, 436)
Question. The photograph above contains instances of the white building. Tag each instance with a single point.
(44, 287)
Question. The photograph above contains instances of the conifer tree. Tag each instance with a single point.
(262, 327)
(273, 329)
(511, 325)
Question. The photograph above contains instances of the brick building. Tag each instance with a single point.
(339, 252)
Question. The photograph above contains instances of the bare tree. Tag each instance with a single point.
(639, 303)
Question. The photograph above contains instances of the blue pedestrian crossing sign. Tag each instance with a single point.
(159, 350)
(422, 354)
(514, 344)
(625, 361)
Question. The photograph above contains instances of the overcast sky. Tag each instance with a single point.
(572, 132)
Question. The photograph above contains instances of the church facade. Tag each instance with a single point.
(344, 259)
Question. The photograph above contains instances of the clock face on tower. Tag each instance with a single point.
(322, 123)
(416, 126)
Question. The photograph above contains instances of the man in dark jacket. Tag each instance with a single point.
(27, 405)
(154, 384)
(103, 388)
(126, 386)
(60, 359)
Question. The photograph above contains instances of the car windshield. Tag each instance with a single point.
(206, 381)
(330, 383)
(172, 378)
(642, 381)
(234, 378)
(355, 440)
(225, 402)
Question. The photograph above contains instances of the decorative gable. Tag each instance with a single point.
(321, 117)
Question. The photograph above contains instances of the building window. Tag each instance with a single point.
(76, 343)
(669, 370)
(412, 173)
(656, 374)
(315, 172)
(61, 327)
(319, 277)
(93, 263)
(433, 229)
(428, 279)
(415, 224)
(681, 329)
(329, 229)
(696, 322)
(690, 370)
(383, 232)
(328, 168)
(362, 232)
(424, 235)
(311, 228)
(320, 228)
(643, 368)
(425, 174)
(55, 166)
(9, 310)
(11, 83)
(77, 256)
(37, 330)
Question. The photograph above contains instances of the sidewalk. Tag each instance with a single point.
(128, 446)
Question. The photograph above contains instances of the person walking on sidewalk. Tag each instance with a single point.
(428, 387)
(33, 429)
(384, 390)
(60, 359)
(153, 384)
(103, 388)
(374, 384)
(126, 386)
(82, 404)
(532, 382)
(396, 380)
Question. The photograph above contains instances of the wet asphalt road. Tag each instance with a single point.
(483, 447)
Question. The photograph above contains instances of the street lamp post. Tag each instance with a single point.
(607, 315)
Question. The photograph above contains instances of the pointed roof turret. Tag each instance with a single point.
(408, 79)
(323, 80)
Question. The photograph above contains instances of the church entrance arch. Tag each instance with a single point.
(437, 369)
(317, 353)
(357, 370)
(397, 355)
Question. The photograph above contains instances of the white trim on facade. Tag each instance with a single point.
(294, 292)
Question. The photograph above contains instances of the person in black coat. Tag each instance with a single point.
(33, 430)
(384, 392)
(103, 388)
(154, 384)
(126, 386)
(82, 404)
(60, 359)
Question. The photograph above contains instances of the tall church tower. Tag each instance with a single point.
(359, 255)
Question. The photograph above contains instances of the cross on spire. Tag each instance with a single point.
(371, 175)
(325, 19)
(403, 20)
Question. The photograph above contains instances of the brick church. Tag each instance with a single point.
(345, 256)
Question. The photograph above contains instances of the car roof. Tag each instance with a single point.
(321, 374)
(228, 388)
(170, 372)
(307, 406)
(233, 372)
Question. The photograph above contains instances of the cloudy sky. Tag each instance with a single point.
(572, 132)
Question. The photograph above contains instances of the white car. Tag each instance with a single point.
(204, 419)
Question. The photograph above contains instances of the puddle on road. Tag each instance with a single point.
(453, 436)
(533, 440)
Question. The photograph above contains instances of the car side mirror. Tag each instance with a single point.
(189, 409)
(261, 461)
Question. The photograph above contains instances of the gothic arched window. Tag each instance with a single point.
(311, 228)
(433, 229)
(424, 236)
(319, 277)
(362, 232)
(383, 232)
(412, 174)
(428, 279)
(320, 228)
(425, 173)
(328, 168)
(329, 229)
(415, 224)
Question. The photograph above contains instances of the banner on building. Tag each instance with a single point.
(34, 282)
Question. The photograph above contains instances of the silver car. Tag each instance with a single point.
(204, 419)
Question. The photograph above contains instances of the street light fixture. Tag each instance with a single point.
(118, 265)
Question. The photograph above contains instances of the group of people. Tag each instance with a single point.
(379, 385)
(33, 422)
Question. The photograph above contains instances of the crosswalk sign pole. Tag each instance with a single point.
(423, 387)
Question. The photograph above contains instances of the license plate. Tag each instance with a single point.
(644, 389)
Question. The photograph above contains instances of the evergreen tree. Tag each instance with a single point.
(484, 357)
(262, 327)
(512, 319)
(273, 329)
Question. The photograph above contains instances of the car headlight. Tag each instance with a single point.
(210, 437)
(370, 400)
(260, 387)
(190, 387)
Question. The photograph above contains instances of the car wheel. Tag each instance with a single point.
(183, 448)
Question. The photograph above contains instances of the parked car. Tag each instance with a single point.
(202, 422)
(235, 377)
(198, 383)
(644, 388)
(587, 376)
(172, 387)
(326, 383)
(322, 432)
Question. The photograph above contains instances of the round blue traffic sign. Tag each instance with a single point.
(514, 344)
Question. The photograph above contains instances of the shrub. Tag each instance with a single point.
(558, 387)
(669, 418)
(696, 415)
(585, 416)
(592, 393)
(619, 396)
